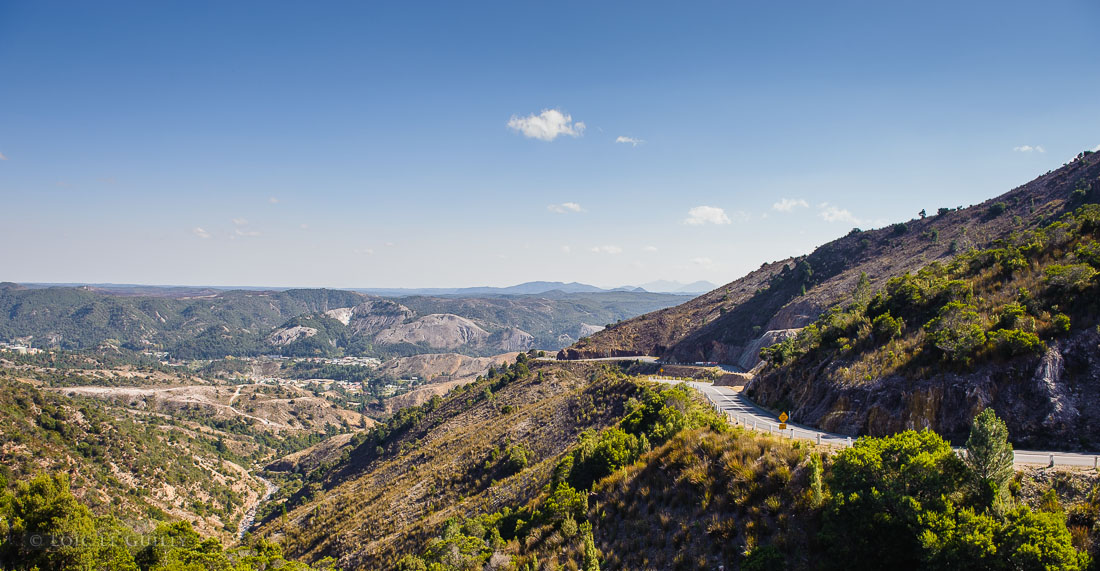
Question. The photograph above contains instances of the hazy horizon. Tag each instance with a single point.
(285, 287)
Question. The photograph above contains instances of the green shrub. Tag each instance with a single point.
(1011, 316)
(1013, 342)
(1069, 277)
(598, 456)
(1061, 323)
(885, 327)
(956, 331)
(880, 489)
(764, 558)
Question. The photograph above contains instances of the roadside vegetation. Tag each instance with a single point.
(705, 495)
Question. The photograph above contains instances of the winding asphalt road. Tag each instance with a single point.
(740, 410)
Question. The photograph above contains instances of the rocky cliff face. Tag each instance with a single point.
(750, 356)
(1047, 401)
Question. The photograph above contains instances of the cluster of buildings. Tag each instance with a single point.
(345, 361)
(18, 348)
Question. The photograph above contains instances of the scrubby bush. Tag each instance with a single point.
(1013, 342)
(1070, 277)
(886, 327)
(1061, 323)
(957, 331)
(880, 488)
(897, 503)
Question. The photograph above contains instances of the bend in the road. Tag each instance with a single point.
(738, 409)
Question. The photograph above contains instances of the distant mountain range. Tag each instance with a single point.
(535, 288)
(526, 288)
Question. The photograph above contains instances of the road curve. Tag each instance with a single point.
(740, 410)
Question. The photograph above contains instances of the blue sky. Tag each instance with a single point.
(415, 144)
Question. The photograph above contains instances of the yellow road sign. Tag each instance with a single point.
(782, 426)
(783, 417)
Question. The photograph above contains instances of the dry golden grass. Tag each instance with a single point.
(370, 512)
(702, 500)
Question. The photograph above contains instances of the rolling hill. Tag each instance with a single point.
(302, 322)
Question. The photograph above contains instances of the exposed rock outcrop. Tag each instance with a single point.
(750, 355)
(584, 330)
(1043, 399)
(451, 365)
(288, 335)
(371, 317)
(439, 330)
(515, 339)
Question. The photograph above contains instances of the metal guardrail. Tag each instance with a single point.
(755, 423)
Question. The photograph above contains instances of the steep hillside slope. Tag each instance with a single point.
(488, 444)
(154, 445)
(664, 483)
(726, 324)
(1013, 327)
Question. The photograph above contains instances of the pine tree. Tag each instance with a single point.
(816, 471)
(989, 457)
(591, 554)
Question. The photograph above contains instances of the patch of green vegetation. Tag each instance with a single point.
(555, 526)
(903, 502)
(43, 526)
(978, 307)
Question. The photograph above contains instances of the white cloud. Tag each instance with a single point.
(566, 249)
(245, 233)
(200, 233)
(830, 213)
(546, 126)
(273, 200)
(607, 249)
(789, 204)
(304, 226)
(649, 249)
(1095, 150)
(629, 140)
(240, 221)
(365, 251)
(2, 157)
(706, 215)
(565, 207)
(1029, 149)
(703, 261)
